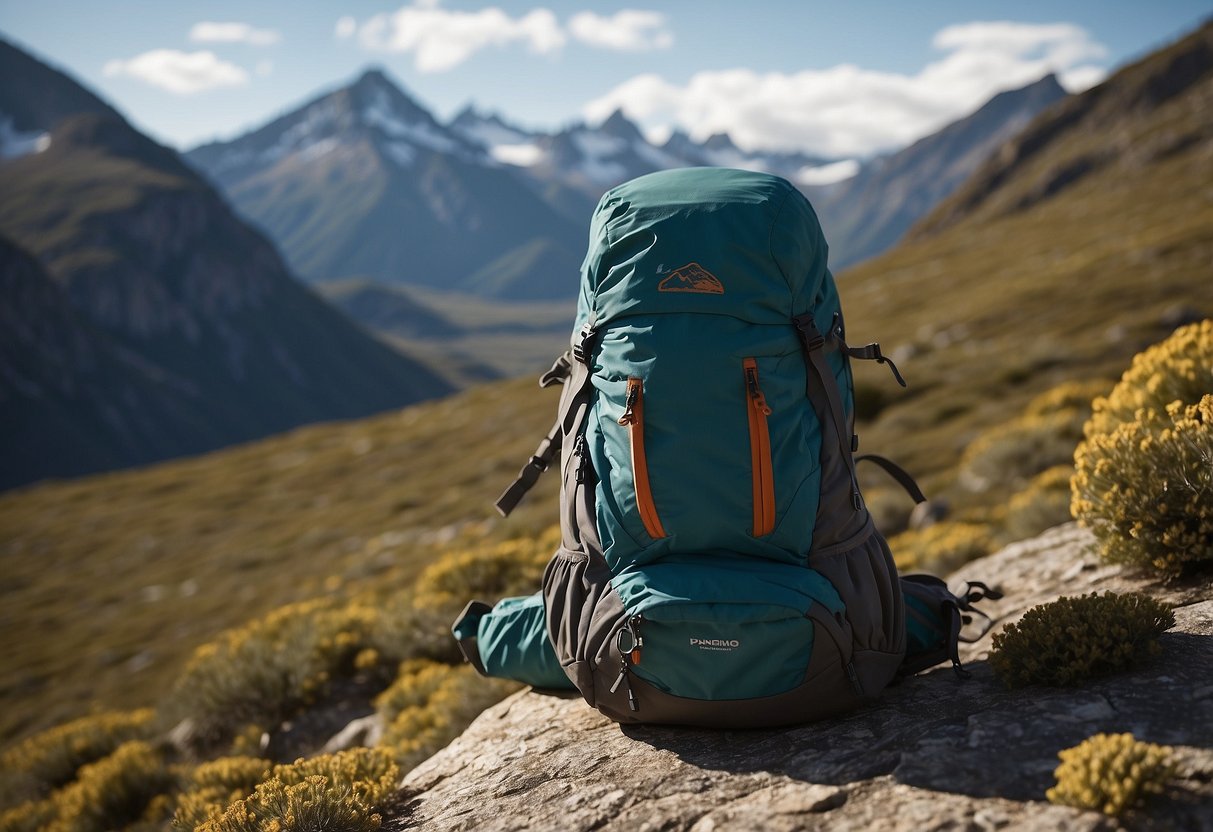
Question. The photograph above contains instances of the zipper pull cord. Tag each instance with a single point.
(760, 399)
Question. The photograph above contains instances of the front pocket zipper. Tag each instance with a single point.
(760, 452)
(633, 419)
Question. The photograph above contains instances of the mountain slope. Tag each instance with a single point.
(364, 182)
(154, 260)
(868, 213)
(1147, 113)
(1013, 285)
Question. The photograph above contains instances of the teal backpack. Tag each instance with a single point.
(718, 565)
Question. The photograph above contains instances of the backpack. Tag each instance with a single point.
(718, 565)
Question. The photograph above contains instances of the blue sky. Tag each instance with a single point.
(838, 78)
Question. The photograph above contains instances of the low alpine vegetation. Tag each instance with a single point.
(1110, 772)
(1071, 640)
(942, 546)
(342, 792)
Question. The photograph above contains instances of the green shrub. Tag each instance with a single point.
(114, 792)
(262, 673)
(431, 704)
(1042, 437)
(1070, 640)
(1043, 504)
(1110, 772)
(942, 546)
(1008, 455)
(52, 758)
(1146, 488)
(342, 792)
(215, 785)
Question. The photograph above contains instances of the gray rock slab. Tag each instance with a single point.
(934, 752)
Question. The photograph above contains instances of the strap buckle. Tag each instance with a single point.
(583, 347)
(810, 335)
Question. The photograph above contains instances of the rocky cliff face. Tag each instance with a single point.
(935, 752)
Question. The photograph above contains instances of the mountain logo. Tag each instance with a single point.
(692, 278)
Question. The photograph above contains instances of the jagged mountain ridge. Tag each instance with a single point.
(868, 213)
(363, 181)
(176, 289)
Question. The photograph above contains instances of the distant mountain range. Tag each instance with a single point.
(364, 181)
(144, 319)
(868, 213)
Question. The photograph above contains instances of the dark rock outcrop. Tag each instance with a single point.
(935, 752)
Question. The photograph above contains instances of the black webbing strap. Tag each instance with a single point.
(868, 352)
(530, 473)
(896, 472)
(560, 373)
(812, 342)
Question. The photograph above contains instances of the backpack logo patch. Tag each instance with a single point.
(692, 278)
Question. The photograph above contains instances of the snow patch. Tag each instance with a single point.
(492, 134)
(379, 114)
(522, 155)
(655, 156)
(401, 153)
(597, 145)
(318, 149)
(830, 174)
(15, 143)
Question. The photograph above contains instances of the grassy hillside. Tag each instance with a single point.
(1029, 275)
(110, 581)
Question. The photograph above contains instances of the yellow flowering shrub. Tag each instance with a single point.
(1043, 504)
(510, 567)
(342, 792)
(1178, 369)
(940, 547)
(430, 704)
(1073, 639)
(29, 816)
(1110, 772)
(212, 786)
(1069, 395)
(51, 758)
(1146, 488)
(115, 791)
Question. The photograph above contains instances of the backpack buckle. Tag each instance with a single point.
(810, 336)
(583, 346)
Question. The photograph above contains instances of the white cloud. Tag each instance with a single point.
(183, 73)
(209, 32)
(440, 39)
(346, 26)
(629, 30)
(848, 111)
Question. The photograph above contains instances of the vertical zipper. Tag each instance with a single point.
(760, 452)
(633, 419)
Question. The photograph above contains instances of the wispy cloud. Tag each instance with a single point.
(440, 39)
(629, 30)
(346, 27)
(183, 73)
(209, 32)
(846, 110)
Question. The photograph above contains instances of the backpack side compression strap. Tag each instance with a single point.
(813, 343)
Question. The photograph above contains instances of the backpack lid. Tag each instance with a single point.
(707, 240)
